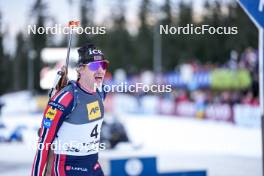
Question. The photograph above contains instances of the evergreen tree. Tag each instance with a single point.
(247, 32)
(4, 64)
(184, 42)
(169, 51)
(38, 41)
(144, 40)
(208, 46)
(87, 19)
(120, 46)
(6, 78)
(20, 63)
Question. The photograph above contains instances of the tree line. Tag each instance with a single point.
(134, 51)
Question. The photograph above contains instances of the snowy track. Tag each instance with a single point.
(179, 144)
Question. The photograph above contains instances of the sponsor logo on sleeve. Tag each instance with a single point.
(56, 105)
(50, 114)
(47, 123)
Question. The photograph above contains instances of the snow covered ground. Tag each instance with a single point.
(179, 144)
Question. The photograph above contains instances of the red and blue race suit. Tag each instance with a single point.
(71, 123)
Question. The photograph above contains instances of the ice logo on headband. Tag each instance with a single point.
(96, 58)
(95, 51)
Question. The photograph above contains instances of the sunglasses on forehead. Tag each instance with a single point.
(97, 64)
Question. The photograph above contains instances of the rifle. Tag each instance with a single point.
(61, 79)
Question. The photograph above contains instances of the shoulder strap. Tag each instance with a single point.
(72, 85)
(101, 93)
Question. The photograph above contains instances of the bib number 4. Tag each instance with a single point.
(94, 132)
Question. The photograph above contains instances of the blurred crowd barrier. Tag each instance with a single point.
(240, 114)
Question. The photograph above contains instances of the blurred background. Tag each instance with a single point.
(209, 123)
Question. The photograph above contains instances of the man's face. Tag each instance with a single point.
(94, 72)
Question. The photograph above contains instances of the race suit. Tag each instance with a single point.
(72, 123)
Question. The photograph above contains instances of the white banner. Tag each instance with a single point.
(246, 115)
(219, 112)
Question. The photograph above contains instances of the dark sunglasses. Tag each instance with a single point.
(96, 65)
